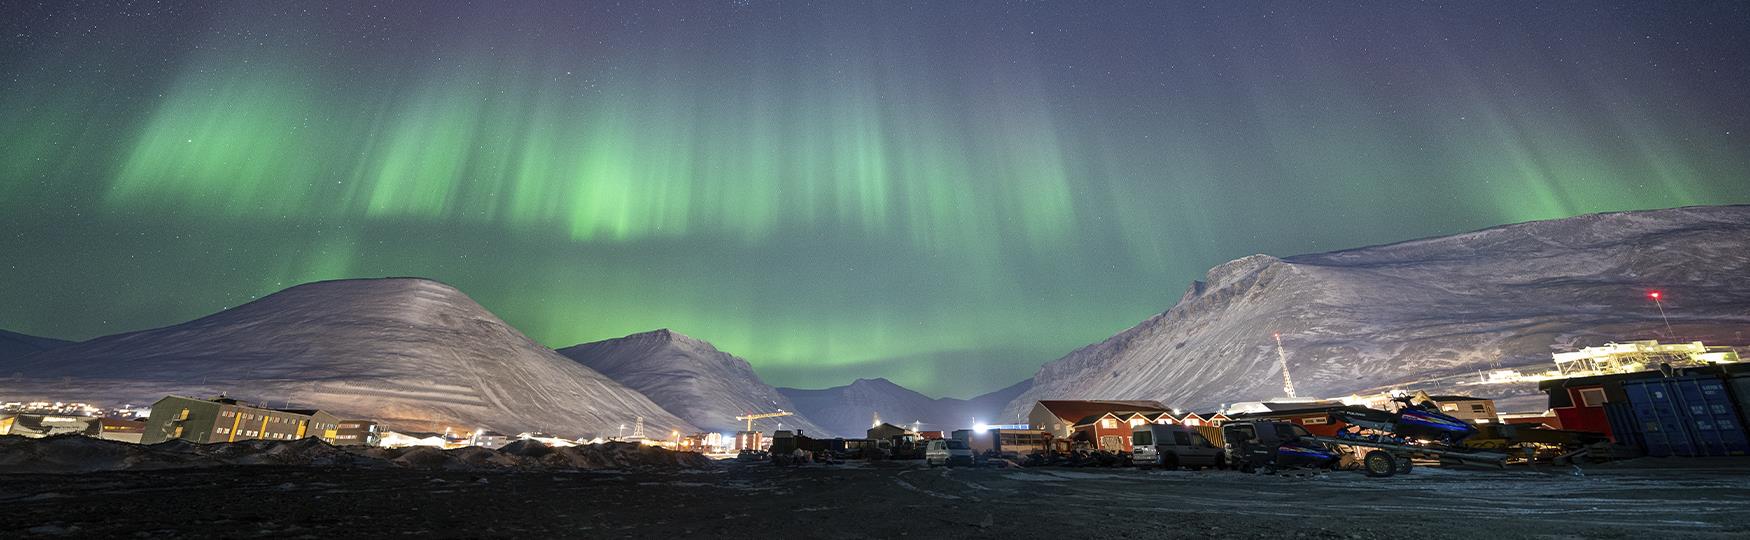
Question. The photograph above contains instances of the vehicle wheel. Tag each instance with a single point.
(1220, 463)
(1246, 467)
(1379, 464)
(1404, 465)
(1170, 462)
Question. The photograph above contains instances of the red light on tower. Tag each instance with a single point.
(1657, 296)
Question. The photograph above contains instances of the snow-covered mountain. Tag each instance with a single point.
(850, 410)
(412, 353)
(15, 345)
(1428, 313)
(692, 379)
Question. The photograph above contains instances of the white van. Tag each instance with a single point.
(1173, 446)
(947, 452)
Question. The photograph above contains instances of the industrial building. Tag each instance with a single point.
(225, 419)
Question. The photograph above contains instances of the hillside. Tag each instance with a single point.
(15, 345)
(692, 379)
(850, 409)
(410, 352)
(1428, 313)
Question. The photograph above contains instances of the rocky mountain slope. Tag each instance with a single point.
(692, 379)
(1426, 313)
(412, 353)
(15, 345)
(850, 410)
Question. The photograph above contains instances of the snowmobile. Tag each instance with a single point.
(1418, 419)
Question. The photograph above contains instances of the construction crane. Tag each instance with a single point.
(756, 416)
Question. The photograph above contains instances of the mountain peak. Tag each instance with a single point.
(689, 377)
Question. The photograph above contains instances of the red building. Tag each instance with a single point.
(1111, 431)
(1060, 417)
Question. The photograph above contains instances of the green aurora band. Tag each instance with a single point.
(947, 199)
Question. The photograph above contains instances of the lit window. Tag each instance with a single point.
(1136, 422)
(1313, 421)
(1449, 407)
(1108, 423)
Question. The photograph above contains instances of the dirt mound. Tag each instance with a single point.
(73, 454)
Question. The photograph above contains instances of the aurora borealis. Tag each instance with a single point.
(947, 194)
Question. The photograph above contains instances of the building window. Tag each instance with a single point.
(1449, 407)
(1136, 422)
(1314, 421)
(1476, 407)
(1592, 397)
(1108, 423)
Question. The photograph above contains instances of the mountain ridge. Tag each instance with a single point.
(411, 352)
(1429, 311)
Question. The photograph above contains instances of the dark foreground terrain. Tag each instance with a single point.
(1700, 498)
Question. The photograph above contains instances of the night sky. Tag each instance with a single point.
(947, 194)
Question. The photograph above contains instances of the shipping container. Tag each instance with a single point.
(1686, 416)
(1624, 428)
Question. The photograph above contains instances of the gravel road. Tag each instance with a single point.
(1671, 499)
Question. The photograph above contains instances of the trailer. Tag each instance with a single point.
(1381, 458)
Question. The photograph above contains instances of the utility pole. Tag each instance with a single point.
(1282, 358)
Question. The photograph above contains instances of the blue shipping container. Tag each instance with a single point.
(1686, 416)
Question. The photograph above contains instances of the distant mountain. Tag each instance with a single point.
(1427, 313)
(413, 353)
(849, 410)
(14, 345)
(692, 379)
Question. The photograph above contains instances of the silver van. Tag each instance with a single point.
(1173, 446)
(948, 452)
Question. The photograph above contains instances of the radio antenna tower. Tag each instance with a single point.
(1282, 358)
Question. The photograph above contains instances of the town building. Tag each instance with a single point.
(404, 439)
(1110, 431)
(1314, 415)
(886, 431)
(750, 440)
(486, 438)
(225, 419)
(117, 429)
(97, 427)
(1470, 409)
(358, 433)
(1005, 441)
(1060, 417)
